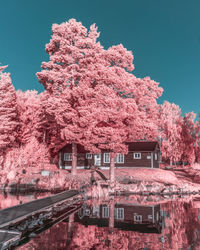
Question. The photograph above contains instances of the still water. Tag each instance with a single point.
(148, 223)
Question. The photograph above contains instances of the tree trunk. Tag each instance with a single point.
(112, 168)
(74, 158)
(44, 136)
(195, 152)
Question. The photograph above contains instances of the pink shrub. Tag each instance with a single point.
(32, 155)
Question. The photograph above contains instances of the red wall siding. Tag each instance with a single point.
(131, 210)
(129, 161)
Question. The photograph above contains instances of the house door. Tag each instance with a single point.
(97, 160)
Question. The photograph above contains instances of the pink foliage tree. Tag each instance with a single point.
(32, 155)
(170, 131)
(8, 113)
(48, 130)
(190, 138)
(28, 104)
(95, 98)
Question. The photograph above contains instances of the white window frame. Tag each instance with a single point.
(67, 156)
(88, 156)
(105, 159)
(137, 218)
(156, 157)
(137, 155)
(105, 212)
(119, 213)
(119, 158)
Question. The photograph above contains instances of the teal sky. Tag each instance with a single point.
(164, 36)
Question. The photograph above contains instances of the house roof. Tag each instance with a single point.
(146, 146)
(142, 146)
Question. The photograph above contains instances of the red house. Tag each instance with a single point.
(143, 154)
(146, 218)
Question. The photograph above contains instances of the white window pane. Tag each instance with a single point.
(137, 155)
(67, 156)
(105, 212)
(120, 213)
(106, 157)
(119, 158)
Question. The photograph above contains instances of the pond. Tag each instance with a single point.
(147, 223)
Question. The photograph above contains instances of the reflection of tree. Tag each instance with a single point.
(70, 228)
(111, 215)
(180, 230)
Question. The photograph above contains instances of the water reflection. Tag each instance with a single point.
(125, 224)
(9, 200)
(130, 217)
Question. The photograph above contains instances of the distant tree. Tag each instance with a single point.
(170, 132)
(93, 93)
(190, 138)
(8, 113)
(28, 103)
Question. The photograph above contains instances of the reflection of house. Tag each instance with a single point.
(126, 216)
(140, 154)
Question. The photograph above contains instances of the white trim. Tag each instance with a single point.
(59, 159)
(104, 158)
(153, 213)
(151, 160)
(69, 167)
(137, 155)
(104, 167)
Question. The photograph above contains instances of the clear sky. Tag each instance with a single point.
(164, 36)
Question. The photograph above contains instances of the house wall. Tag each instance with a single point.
(129, 161)
(131, 210)
(156, 163)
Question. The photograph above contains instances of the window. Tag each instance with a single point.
(119, 213)
(119, 158)
(137, 155)
(105, 212)
(88, 156)
(148, 156)
(67, 156)
(156, 156)
(106, 158)
(95, 211)
(137, 218)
